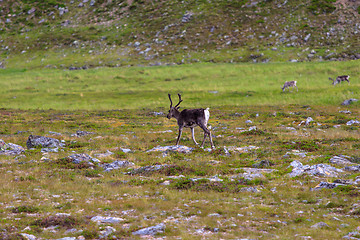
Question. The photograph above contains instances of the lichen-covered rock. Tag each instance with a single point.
(10, 148)
(83, 157)
(116, 165)
(45, 142)
(153, 230)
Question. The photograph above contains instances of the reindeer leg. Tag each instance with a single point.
(206, 132)
(179, 136)
(193, 136)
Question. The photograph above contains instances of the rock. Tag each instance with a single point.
(245, 149)
(187, 17)
(28, 236)
(262, 164)
(31, 11)
(160, 228)
(341, 160)
(352, 168)
(101, 219)
(67, 238)
(253, 173)
(147, 169)
(307, 122)
(81, 133)
(352, 235)
(102, 155)
(83, 157)
(45, 142)
(10, 149)
(320, 225)
(307, 37)
(349, 101)
(249, 189)
(106, 232)
(322, 170)
(116, 165)
(351, 122)
(176, 148)
(327, 185)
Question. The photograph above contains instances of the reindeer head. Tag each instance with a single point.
(174, 111)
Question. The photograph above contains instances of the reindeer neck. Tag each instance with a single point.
(176, 113)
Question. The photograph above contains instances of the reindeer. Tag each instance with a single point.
(340, 79)
(190, 118)
(290, 84)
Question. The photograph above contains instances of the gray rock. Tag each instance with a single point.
(81, 133)
(176, 148)
(351, 122)
(101, 219)
(307, 38)
(322, 170)
(83, 157)
(10, 149)
(147, 169)
(352, 235)
(160, 228)
(320, 225)
(187, 17)
(106, 232)
(28, 236)
(45, 142)
(327, 185)
(352, 168)
(262, 164)
(116, 165)
(341, 160)
(349, 101)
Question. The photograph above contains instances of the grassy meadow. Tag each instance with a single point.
(213, 85)
(45, 196)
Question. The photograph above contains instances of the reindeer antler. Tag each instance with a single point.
(180, 100)
(170, 100)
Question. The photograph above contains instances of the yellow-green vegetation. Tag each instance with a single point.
(45, 195)
(202, 85)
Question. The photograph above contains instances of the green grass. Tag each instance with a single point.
(201, 85)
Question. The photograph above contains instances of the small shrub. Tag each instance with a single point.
(25, 208)
(90, 234)
(63, 221)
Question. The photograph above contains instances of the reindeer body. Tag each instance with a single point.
(288, 85)
(190, 118)
(340, 79)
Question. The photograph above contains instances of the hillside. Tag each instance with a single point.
(90, 33)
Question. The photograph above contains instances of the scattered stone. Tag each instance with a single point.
(187, 17)
(253, 173)
(352, 235)
(106, 232)
(352, 168)
(351, 122)
(101, 219)
(103, 155)
(345, 111)
(245, 149)
(306, 122)
(116, 165)
(249, 189)
(160, 228)
(45, 142)
(327, 185)
(295, 153)
(176, 148)
(157, 113)
(349, 101)
(81, 133)
(262, 164)
(28, 236)
(322, 170)
(147, 169)
(320, 225)
(341, 160)
(10, 149)
(83, 157)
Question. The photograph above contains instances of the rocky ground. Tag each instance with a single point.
(275, 173)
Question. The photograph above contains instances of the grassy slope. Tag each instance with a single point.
(218, 31)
